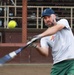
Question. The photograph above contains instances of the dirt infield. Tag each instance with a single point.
(25, 69)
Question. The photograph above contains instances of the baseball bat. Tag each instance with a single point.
(11, 55)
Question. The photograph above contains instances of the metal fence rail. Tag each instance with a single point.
(34, 15)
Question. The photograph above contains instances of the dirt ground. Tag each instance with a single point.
(25, 69)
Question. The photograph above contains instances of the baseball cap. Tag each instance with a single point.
(47, 12)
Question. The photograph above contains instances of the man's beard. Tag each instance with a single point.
(52, 24)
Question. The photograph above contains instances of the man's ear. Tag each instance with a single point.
(54, 18)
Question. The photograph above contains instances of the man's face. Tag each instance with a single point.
(49, 20)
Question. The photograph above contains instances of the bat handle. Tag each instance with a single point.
(18, 51)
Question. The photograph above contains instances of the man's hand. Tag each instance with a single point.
(35, 38)
(34, 45)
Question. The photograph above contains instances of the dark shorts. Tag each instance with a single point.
(63, 68)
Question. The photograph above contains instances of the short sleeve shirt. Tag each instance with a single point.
(62, 43)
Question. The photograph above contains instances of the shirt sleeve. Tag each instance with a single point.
(44, 42)
(64, 22)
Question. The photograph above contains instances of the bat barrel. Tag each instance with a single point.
(5, 59)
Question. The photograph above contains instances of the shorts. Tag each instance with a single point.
(63, 68)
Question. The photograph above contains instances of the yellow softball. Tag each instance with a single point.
(12, 24)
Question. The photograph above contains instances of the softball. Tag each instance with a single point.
(12, 24)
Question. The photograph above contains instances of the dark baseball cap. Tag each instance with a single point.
(47, 12)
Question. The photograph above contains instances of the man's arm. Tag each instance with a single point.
(52, 30)
(49, 31)
(42, 50)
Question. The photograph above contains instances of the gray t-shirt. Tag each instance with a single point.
(61, 43)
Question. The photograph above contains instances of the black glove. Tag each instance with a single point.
(34, 45)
